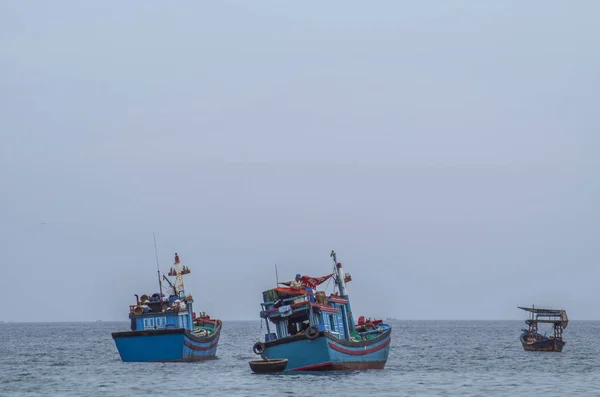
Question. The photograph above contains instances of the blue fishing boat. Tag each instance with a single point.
(533, 340)
(314, 331)
(165, 328)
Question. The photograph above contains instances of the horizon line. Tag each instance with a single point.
(258, 320)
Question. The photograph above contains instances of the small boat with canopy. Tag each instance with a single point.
(533, 340)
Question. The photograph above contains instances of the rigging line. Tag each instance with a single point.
(334, 272)
(260, 331)
(511, 343)
(157, 267)
(327, 285)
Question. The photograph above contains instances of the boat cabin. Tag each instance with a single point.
(291, 311)
(555, 317)
(174, 312)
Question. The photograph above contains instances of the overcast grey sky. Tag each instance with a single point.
(447, 150)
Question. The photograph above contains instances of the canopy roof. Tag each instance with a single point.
(542, 312)
(556, 316)
(292, 291)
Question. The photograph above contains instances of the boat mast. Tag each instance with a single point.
(157, 268)
(179, 276)
(342, 287)
(339, 274)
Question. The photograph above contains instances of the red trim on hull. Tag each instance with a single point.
(336, 299)
(328, 309)
(359, 352)
(201, 348)
(322, 308)
(315, 367)
(546, 348)
(355, 366)
(188, 359)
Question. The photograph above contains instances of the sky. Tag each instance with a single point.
(446, 150)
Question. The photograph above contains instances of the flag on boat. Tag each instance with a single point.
(314, 281)
(311, 282)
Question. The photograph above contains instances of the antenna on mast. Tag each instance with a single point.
(333, 256)
(276, 276)
(157, 267)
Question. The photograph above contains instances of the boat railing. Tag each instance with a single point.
(293, 299)
(274, 312)
(372, 331)
(329, 301)
(158, 311)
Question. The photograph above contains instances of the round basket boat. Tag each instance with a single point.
(266, 366)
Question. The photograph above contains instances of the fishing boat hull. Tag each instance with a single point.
(164, 345)
(536, 342)
(326, 352)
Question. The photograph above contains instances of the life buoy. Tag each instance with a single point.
(312, 332)
(258, 348)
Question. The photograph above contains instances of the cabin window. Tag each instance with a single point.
(331, 322)
(161, 322)
(294, 325)
(292, 328)
(315, 319)
(148, 323)
(281, 329)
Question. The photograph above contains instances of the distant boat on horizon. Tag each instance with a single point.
(533, 340)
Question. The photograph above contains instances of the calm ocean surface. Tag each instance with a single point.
(427, 358)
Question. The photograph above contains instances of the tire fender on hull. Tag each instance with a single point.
(258, 348)
(312, 332)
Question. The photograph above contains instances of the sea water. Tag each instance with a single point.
(427, 358)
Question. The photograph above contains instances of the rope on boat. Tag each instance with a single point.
(327, 285)
(511, 343)
(260, 330)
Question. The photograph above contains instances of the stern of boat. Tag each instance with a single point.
(165, 345)
(148, 346)
(354, 355)
(302, 354)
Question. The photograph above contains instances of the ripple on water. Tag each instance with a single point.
(453, 359)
